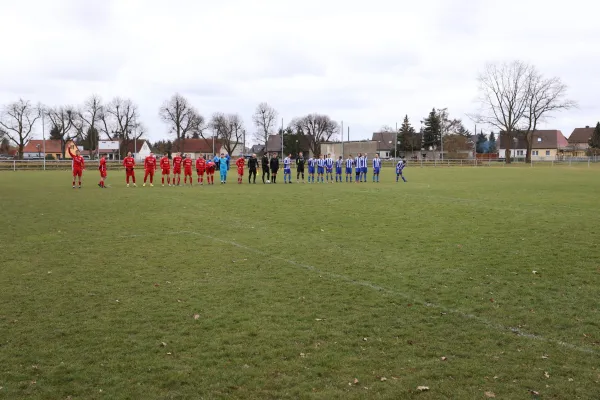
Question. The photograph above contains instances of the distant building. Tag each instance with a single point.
(547, 145)
(35, 149)
(579, 142)
(386, 143)
(344, 149)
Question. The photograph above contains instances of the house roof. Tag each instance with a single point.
(542, 139)
(137, 143)
(257, 148)
(52, 146)
(385, 140)
(197, 145)
(581, 135)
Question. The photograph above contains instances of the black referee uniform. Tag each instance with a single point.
(300, 161)
(265, 167)
(252, 167)
(274, 168)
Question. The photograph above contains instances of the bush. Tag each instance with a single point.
(49, 156)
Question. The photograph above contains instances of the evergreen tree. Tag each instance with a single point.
(461, 130)
(595, 139)
(432, 131)
(407, 136)
(492, 143)
(482, 146)
(88, 140)
(55, 133)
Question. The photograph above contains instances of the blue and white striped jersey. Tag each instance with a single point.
(312, 162)
(377, 163)
(349, 163)
(400, 166)
(338, 163)
(329, 162)
(287, 162)
(320, 162)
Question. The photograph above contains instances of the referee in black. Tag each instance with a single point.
(264, 163)
(300, 167)
(252, 166)
(274, 167)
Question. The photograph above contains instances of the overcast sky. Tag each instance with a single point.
(367, 63)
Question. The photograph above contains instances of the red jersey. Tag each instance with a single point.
(150, 163)
(129, 162)
(165, 163)
(187, 163)
(78, 162)
(102, 166)
(201, 164)
(240, 163)
(177, 162)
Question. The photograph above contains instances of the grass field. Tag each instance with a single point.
(303, 291)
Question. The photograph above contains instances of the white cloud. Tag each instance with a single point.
(367, 64)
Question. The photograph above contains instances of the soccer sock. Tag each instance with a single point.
(403, 179)
(163, 180)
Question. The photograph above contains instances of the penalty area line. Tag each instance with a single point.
(347, 279)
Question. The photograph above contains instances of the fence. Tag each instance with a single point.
(65, 165)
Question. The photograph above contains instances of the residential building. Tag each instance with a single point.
(547, 145)
(386, 143)
(205, 147)
(302, 145)
(140, 149)
(35, 149)
(579, 142)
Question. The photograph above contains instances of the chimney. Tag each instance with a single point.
(587, 127)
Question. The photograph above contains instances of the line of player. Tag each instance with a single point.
(322, 167)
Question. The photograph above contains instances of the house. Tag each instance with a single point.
(579, 142)
(140, 149)
(547, 145)
(258, 149)
(386, 143)
(41, 148)
(205, 147)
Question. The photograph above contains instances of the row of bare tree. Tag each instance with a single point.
(515, 98)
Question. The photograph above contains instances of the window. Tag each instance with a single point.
(539, 139)
(519, 152)
(547, 152)
(535, 152)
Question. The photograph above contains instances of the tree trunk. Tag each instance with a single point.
(529, 140)
(507, 151)
(21, 147)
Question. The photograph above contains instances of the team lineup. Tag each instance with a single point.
(323, 168)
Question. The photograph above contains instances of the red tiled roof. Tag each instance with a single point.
(52, 146)
(197, 145)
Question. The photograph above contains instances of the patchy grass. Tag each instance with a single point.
(302, 291)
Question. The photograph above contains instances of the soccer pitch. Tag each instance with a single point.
(472, 282)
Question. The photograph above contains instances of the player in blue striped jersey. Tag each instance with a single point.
(338, 169)
(311, 169)
(320, 169)
(376, 168)
(349, 164)
(399, 168)
(329, 168)
(287, 169)
(357, 166)
(363, 171)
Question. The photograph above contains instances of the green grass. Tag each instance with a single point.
(291, 302)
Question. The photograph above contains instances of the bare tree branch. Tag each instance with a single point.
(230, 130)
(61, 118)
(317, 128)
(265, 119)
(503, 97)
(182, 118)
(17, 120)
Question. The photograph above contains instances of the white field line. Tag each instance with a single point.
(352, 281)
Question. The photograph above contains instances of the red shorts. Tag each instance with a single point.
(187, 172)
(150, 172)
(200, 171)
(240, 171)
(166, 171)
(102, 174)
(177, 171)
(129, 172)
(77, 172)
(210, 171)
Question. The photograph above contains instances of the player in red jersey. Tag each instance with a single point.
(149, 168)
(129, 164)
(188, 163)
(165, 166)
(177, 160)
(78, 166)
(210, 172)
(200, 169)
(241, 162)
(102, 169)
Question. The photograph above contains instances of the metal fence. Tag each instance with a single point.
(65, 165)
